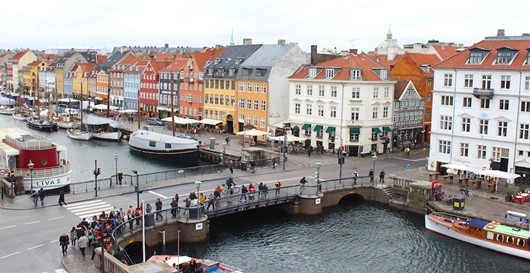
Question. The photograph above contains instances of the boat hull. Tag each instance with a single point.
(446, 230)
(111, 136)
(79, 135)
(188, 156)
(20, 117)
(65, 124)
(42, 127)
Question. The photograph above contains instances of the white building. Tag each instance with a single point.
(481, 107)
(346, 101)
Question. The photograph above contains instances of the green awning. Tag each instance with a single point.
(387, 129)
(330, 129)
(355, 131)
(376, 130)
(295, 129)
(306, 126)
(318, 128)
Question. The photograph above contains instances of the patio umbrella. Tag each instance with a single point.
(252, 132)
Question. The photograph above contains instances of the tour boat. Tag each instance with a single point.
(103, 128)
(36, 160)
(180, 148)
(182, 262)
(512, 239)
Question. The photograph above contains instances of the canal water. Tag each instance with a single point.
(352, 237)
(82, 154)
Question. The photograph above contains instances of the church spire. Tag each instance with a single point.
(232, 38)
(389, 33)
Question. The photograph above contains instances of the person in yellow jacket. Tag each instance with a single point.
(202, 198)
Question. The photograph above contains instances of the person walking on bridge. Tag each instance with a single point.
(158, 205)
(382, 177)
(302, 184)
(371, 175)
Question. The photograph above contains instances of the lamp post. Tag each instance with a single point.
(137, 189)
(115, 160)
(317, 177)
(341, 157)
(96, 172)
(374, 159)
(284, 147)
(198, 183)
(30, 166)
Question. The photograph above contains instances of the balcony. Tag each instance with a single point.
(480, 92)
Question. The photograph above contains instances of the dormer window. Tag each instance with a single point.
(231, 71)
(505, 56)
(260, 72)
(527, 57)
(355, 74)
(477, 55)
(425, 67)
(312, 72)
(330, 73)
(246, 71)
(239, 60)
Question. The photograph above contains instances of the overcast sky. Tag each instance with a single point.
(339, 24)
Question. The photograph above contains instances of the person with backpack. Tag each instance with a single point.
(64, 240)
(158, 205)
(303, 181)
(382, 177)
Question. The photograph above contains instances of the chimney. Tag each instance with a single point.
(281, 42)
(247, 41)
(500, 32)
(314, 54)
(353, 51)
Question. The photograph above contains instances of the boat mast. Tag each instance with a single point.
(81, 106)
(139, 113)
(172, 103)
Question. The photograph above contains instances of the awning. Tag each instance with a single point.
(500, 174)
(376, 130)
(295, 129)
(306, 126)
(209, 121)
(458, 167)
(330, 129)
(387, 129)
(355, 131)
(318, 128)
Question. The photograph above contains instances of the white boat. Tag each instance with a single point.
(180, 148)
(103, 128)
(183, 262)
(7, 110)
(24, 151)
(79, 134)
(20, 116)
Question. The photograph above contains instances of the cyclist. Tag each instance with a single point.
(230, 184)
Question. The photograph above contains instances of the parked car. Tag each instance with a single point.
(154, 121)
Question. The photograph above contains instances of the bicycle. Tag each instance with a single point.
(466, 192)
(235, 189)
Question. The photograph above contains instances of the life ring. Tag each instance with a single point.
(491, 225)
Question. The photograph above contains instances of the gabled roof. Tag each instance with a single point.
(521, 45)
(86, 67)
(447, 51)
(18, 55)
(234, 56)
(175, 65)
(421, 59)
(208, 54)
(114, 58)
(383, 59)
(400, 88)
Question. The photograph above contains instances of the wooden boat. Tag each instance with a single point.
(79, 134)
(512, 239)
(42, 124)
(7, 110)
(20, 115)
(103, 128)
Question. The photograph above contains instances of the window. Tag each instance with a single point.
(448, 80)
(355, 74)
(504, 57)
(504, 104)
(505, 82)
(256, 104)
(446, 122)
(256, 87)
(333, 111)
(330, 73)
(483, 127)
(464, 149)
(468, 80)
(385, 112)
(333, 91)
(374, 112)
(525, 106)
(524, 131)
(386, 92)
(298, 89)
(263, 105)
(249, 104)
(476, 57)
(355, 113)
(249, 87)
(376, 93)
(263, 88)
(320, 90)
(527, 83)
(320, 110)
(497, 153)
(503, 128)
(444, 147)
(309, 109)
(481, 151)
(312, 72)
(466, 124)
(447, 100)
(310, 90)
(486, 81)
(484, 103)
(467, 102)
(356, 92)
(262, 122)
(297, 108)
(242, 87)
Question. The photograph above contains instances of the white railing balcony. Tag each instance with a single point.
(45, 172)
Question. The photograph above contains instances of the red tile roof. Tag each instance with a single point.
(208, 54)
(522, 46)
(420, 59)
(175, 65)
(400, 88)
(447, 51)
(383, 59)
(19, 55)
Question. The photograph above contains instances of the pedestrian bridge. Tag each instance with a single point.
(193, 222)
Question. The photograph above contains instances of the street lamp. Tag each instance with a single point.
(317, 176)
(198, 183)
(30, 166)
(115, 160)
(374, 159)
(137, 189)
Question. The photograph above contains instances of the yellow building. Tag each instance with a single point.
(252, 104)
(220, 101)
(80, 79)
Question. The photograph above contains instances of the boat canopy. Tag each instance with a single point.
(477, 223)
